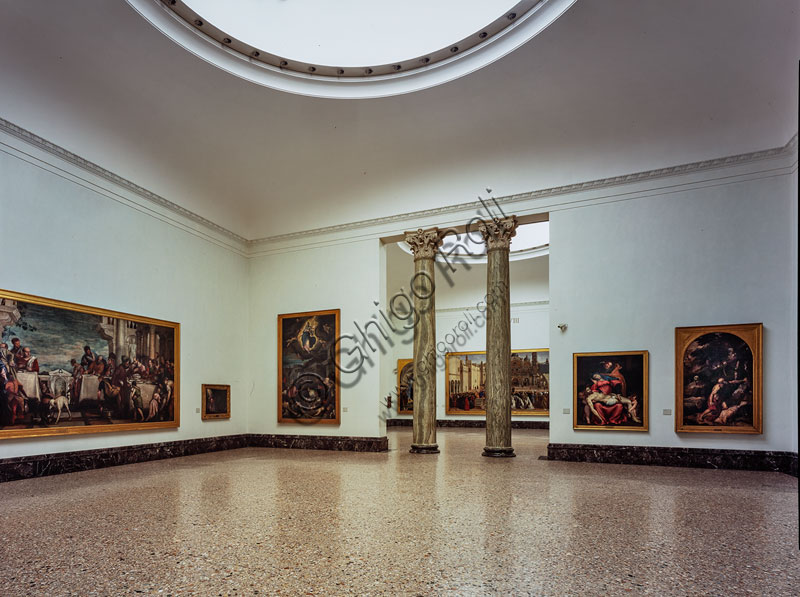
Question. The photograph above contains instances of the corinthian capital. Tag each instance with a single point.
(497, 233)
(424, 243)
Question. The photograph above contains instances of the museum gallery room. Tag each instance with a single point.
(399, 298)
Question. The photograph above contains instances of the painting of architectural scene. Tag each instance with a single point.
(308, 382)
(718, 385)
(65, 366)
(530, 382)
(405, 386)
(610, 391)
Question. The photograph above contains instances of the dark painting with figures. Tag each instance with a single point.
(308, 379)
(216, 402)
(610, 391)
(405, 386)
(718, 379)
(68, 368)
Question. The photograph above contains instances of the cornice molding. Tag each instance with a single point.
(602, 183)
(91, 167)
(537, 304)
(252, 245)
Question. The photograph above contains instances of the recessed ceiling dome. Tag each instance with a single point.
(350, 48)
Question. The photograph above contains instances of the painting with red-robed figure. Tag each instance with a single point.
(610, 391)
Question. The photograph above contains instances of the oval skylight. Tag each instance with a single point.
(353, 33)
(350, 48)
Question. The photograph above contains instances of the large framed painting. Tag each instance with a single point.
(610, 391)
(718, 379)
(308, 376)
(216, 402)
(530, 382)
(405, 386)
(70, 369)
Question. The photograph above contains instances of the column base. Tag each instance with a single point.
(498, 452)
(424, 448)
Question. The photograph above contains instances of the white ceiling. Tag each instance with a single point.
(612, 87)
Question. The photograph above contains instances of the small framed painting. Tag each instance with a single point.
(718, 379)
(308, 360)
(405, 386)
(216, 402)
(610, 391)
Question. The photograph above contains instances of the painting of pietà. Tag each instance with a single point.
(68, 368)
(610, 391)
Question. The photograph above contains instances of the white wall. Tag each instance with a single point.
(66, 239)
(346, 277)
(793, 308)
(630, 260)
(457, 295)
(624, 275)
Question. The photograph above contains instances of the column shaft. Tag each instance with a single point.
(424, 244)
(424, 360)
(497, 235)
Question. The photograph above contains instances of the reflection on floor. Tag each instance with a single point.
(268, 521)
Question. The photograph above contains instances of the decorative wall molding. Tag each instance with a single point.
(252, 246)
(84, 164)
(747, 460)
(27, 467)
(602, 183)
(539, 304)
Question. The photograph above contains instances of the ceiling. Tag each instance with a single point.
(610, 88)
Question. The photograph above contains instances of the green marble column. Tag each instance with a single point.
(424, 244)
(497, 236)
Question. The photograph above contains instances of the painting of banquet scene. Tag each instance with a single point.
(70, 369)
(530, 382)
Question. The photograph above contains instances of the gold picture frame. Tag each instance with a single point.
(465, 378)
(216, 402)
(126, 377)
(718, 379)
(308, 368)
(610, 391)
(405, 396)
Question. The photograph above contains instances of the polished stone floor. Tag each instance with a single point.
(301, 522)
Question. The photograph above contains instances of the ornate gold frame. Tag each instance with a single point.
(752, 334)
(401, 363)
(478, 412)
(645, 391)
(81, 428)
(337, 384)
(227, 414)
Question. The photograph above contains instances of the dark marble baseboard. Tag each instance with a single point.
(42, 465)
(748, 460)
(27, 467)
(321, 442)
(470, 423)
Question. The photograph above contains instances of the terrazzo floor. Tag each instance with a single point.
(300, 522)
